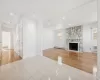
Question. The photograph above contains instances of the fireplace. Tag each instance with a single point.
(73, 46)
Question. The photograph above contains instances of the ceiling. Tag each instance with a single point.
(46, 10)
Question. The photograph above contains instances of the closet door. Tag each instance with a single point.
(0, 44)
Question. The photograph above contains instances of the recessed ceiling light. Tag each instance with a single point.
(33, 15)
(63, 18)
(8, 22)
(48, 23)
(11, 14)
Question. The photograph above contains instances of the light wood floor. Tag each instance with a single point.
(83, 61)
(8, 56)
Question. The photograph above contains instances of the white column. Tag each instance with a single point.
(98, 54)
(0, 37)
(0, 42)
(29, 38)
(39, 37)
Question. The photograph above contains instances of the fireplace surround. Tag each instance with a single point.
(74, 35)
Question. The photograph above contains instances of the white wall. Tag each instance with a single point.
(98, 55)
(60, 41)
(88, 41)
(45, 38)
(39, 37)
(48, 38)
(35, 38)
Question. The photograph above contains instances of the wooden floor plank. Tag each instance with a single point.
(82, 60)
(8, 56)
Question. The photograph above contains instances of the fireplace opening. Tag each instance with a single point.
(73, 46)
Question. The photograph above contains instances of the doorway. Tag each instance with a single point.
(8, 53)
(6, 40)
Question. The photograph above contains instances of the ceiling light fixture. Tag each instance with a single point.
(63, 18)
(11, 14)
(59, 34)
(34, 15)
(48, 23)
(8, 22)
